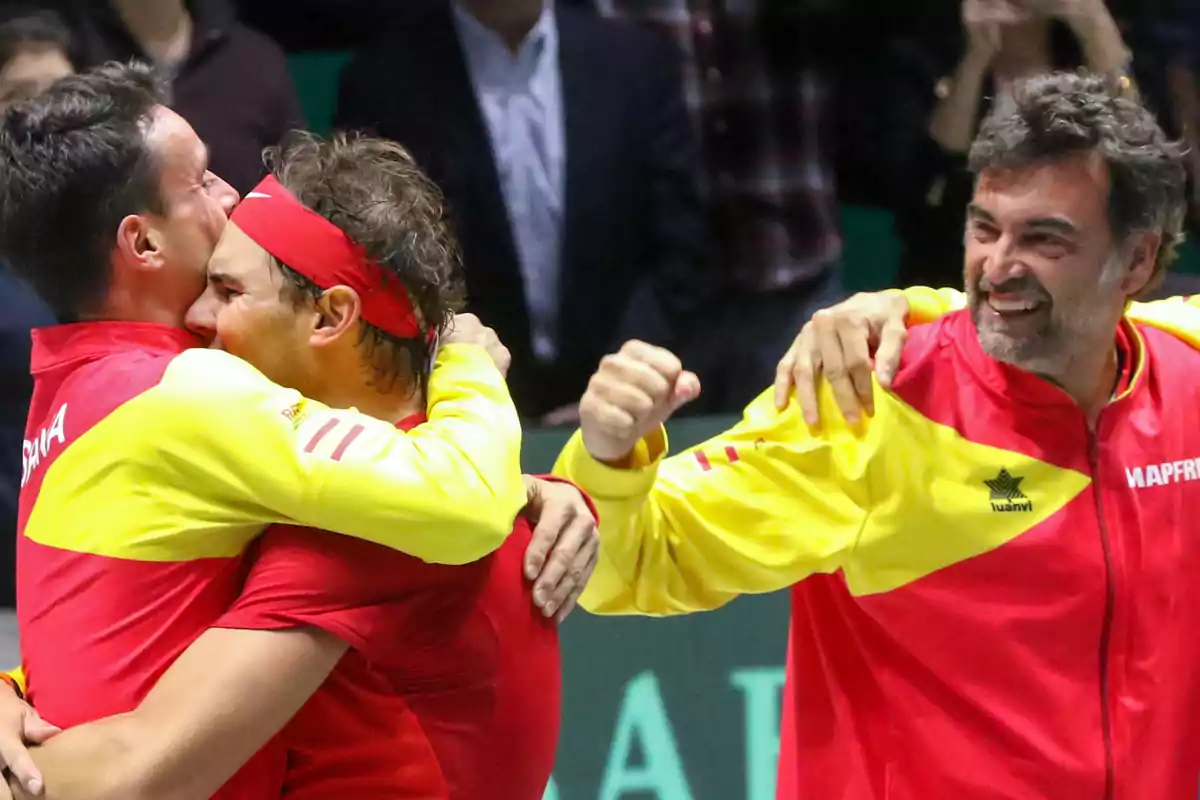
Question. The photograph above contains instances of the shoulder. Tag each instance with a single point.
(930, 345)
(640, 44)
(1168, 350)
(211, 372)
(249, 43)
(209, 384)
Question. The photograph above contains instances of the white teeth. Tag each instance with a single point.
(1005, 306)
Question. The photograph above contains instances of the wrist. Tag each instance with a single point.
(611, 456)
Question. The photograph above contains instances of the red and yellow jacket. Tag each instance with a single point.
(990, 599)
(150, 466)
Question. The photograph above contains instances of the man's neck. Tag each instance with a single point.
(163, 28)
(511, 21)
(130, 306)
(1091, 380)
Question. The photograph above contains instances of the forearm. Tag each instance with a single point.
(692, 532)
(1103, 46)
(952, 124)
(98, 761)
(214, 708)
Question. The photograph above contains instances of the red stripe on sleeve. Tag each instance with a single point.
(316, 440)
(702, 460)
(732, 453)
(346, 442)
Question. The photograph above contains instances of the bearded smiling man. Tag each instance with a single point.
(985, 602)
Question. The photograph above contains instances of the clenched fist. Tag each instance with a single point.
(467, 329)
(632, 393)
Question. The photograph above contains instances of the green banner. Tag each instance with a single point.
(685, 708)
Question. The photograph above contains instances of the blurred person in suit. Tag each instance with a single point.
(34, 53)
(562, 144)
(229, 81)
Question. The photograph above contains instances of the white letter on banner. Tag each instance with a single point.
(761, 687)
(643, 717)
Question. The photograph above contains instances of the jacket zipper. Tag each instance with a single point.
(1110, 599)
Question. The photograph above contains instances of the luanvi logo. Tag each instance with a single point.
(1007, 494)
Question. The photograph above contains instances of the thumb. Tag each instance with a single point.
(687, 389)
(37, 730)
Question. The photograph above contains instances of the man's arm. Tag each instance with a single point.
(222, 700)
(753, 510)
(253, 452)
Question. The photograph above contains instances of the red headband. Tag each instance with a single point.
(323, 253)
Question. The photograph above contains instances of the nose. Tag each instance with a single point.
(228, 197)
(1002, 263)
(201, 318)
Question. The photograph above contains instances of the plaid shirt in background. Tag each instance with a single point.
(769, 180)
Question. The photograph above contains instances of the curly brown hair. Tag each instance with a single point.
(1063, 114)
(373, 190)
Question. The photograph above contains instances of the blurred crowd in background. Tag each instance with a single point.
(672, 170)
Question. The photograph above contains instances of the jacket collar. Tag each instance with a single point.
(85, 341)
(1026, 387)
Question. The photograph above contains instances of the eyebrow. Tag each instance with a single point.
(223, 279)
(1046, 223)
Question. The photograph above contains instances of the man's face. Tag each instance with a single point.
(244, 311)
(30, 72)
(197, 202)
(1044, 278)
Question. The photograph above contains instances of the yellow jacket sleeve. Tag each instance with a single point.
(753, 510)
(926, 305)
(16, 679)
(1178, 316)
(224, 444)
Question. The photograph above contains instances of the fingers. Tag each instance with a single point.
(573, 598)
(804, 378)
(837, 364)
(567, 570)
(20, 765)
(37, 730)
(891, 349)
(783, 374)
(855, 339)
(468, 329)
(632, 392)
(644, 368)
(687, 389)
(549, 519)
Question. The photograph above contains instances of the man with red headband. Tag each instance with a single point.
(452, 688)
(150, 467)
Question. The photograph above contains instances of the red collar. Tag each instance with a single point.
(1129, 358)
(62, 344)
(411, 421)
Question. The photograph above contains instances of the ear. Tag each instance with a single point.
(139, 243)
(338, 313)
(1143, 256)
